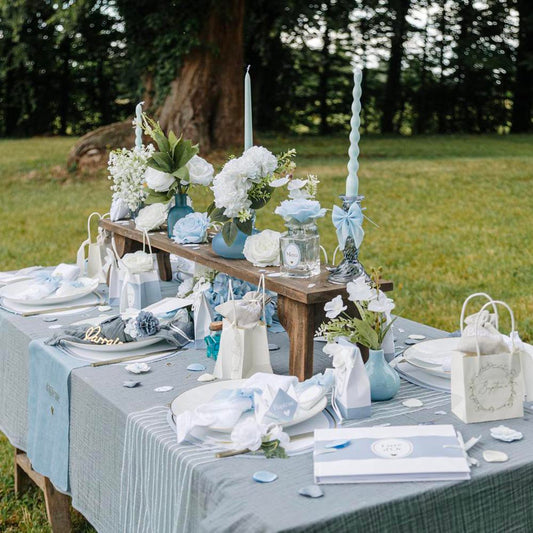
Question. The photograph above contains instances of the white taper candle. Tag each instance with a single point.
(138, 128)
(248, 128)
(352, 181)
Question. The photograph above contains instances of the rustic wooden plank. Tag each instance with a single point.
(293, 288)
(22, 480)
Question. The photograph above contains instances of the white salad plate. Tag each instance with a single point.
(192, 398)
(12, 291)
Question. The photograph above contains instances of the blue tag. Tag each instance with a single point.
(282, 408)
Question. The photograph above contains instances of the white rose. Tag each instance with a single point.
(262, 249)
(248, 434)
(157, 180)
(200, 171)
(151, 217)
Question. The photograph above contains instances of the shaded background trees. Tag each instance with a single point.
(430, 66)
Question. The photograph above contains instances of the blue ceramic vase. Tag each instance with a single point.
(181, 209)
(235, 251)
(384, 380)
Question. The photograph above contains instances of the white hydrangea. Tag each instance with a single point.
(231, 192)
(260, 163)
(126, 168)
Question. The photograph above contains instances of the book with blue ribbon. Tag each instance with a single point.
(385, 454)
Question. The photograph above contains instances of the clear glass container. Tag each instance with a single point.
(300, 250)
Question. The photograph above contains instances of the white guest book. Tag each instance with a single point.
(385, 454)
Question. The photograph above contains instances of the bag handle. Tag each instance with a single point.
(335, 255)
(511, 336)
(145, 235)
(490, 301)
(261, 285)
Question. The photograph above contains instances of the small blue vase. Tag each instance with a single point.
(181, 209)
(384, 380)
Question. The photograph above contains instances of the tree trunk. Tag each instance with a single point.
(392, 87)
(523, 92)
(205, 102)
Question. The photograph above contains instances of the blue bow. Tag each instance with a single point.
(348, 224)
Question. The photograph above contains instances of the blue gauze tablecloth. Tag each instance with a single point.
(49, 411)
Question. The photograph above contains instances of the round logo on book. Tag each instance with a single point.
(392, 448)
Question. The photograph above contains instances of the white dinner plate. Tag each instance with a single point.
(429, 368)
(433, 352)
(11, 292)
(162, 350)
(192, 398)
(114, 348)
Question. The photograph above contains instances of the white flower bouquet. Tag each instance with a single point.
(127, 169)
(244, 185)
(373, 306)
(175, 167)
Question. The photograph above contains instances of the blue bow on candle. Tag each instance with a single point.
(348, 224)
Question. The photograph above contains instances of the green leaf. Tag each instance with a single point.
(246, 227)
(229, 232)
(217, 214)
(211, 208)
(183, 152)
(155, 197)
(173, 141)
(161, 141)
(273, 450)
(181, 173)
(161, 161)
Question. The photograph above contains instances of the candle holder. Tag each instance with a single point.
(350, 267)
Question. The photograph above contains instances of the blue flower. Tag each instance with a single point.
(147, 324)
(301, 210)
(191, 228)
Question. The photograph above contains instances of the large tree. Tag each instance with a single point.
(189, 60)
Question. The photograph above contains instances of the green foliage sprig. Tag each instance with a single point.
(171, 158)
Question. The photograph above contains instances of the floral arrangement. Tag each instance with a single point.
(191, 228)
(374, 309)
(246, 184)
(145, 324)
(127, 168)
(301, 207)
(262, 249)
(174, 167)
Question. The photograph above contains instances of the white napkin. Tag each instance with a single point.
(245, 312)
(66, 272)
(138, 262)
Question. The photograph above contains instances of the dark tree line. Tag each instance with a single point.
(430, 66)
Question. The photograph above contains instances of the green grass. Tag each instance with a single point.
(455, 217)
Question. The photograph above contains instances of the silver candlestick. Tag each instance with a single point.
(349, 268)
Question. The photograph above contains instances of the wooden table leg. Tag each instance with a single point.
(57, 504)
(299, 321)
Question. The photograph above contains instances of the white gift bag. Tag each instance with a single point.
(140, 279)
(488, 387)
(350, 398)
(91, 263)
(202, 317)
(243, 348)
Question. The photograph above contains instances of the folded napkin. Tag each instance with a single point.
(46, 283)
(18, 275)
(270, 399)
(49, 411)
(66, 272)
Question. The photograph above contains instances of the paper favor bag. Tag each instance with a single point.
(243, 343)
(202, 317)
(351, 391)
(91, 254)
(486, 387)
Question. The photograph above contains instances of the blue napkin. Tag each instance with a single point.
(49, 411)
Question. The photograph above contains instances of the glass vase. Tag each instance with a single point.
(181, 209)
(300, 250)
(384, 380)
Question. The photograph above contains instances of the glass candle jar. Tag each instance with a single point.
(300, 250)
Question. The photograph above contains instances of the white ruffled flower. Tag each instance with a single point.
(231, 192)
(151, 217)
(381, 304)
(185, 288)
(276, 433)
(261, 162)
(131, 329)
(157, 180)
(360, 291)
(248, 434)
(262, 249)
(335, 307)
(200, 171)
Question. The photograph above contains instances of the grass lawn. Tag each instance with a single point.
(455, 216)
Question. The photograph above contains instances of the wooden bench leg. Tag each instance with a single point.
(299, 321)
(57, 504)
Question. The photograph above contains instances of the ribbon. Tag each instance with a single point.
(348, 224)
